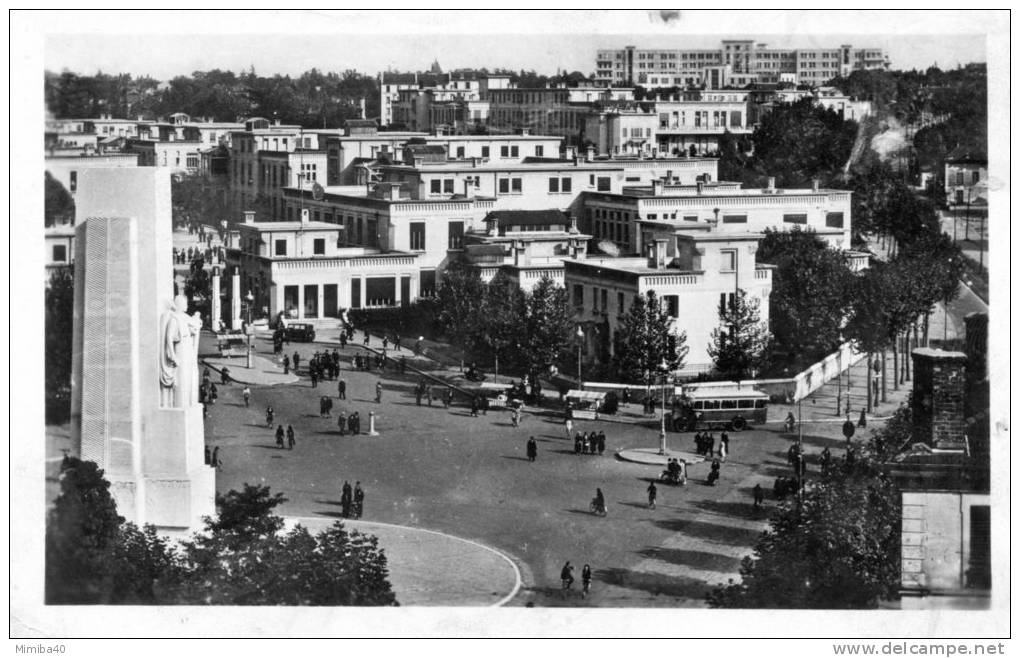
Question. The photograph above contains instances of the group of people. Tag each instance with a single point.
(290, 437)
(479, 403)
(704, 445)
(191, 254)
(590, 443)
(567, 578)
(351, 423)
(675, 473)
(213, 458)
(352, 503)
(325, 407)
(207, 393)
(364, 362)
(323, 365)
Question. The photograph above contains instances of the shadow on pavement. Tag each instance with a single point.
(696, 559)
(714, 532)
(523, 459)
(738, 509)
(654, 583)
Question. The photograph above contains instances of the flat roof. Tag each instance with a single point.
(273, 227)
(630, 264)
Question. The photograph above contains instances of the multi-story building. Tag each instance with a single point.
(966, 177)
(736, 63)
(625, 218)
(692, 275)
(458, 84)
(560, 111)
(301, 269)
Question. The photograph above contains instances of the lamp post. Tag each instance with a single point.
(248, 330)
(664, 367)
(580, 341)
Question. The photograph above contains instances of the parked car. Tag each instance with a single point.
(300, 332)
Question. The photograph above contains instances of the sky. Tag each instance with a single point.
(181, 42)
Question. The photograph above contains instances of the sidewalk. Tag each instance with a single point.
(264, 372)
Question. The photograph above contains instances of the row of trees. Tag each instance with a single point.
(242, 557)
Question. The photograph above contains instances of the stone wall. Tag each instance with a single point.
(939, 396)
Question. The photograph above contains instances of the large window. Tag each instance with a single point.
(515, 151)
(485, 151)
(834, 219)
(456, 235)
(603, 184)
(554, 184)
(59, 253)
(734, 219)
(504, 151)
(448, 186)
(539, 151)
(280, 248)
(417, 236)
(515, 185)
(578, 296)
(795, 218)
(435, 186)
(319, 247)
(566, 184)
(504, 186)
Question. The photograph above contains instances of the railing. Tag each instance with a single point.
(762, 274)
(673, 279)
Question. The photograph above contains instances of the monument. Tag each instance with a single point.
(134, 405)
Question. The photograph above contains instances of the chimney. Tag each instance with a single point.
(656, 187)
(573, 224)
(491, 226)
(394, 191)
(469, 189)
(669, 177)
(590, 154)
(701, 187)
(815, 184)
(772, 184)
(657, 255)
(939, 397)
(304, 215)
(249, 216)
(570, 153)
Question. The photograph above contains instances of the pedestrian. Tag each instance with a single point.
(863, 422)
(585, 444)
(352, 422)
(428, 395)
(345, 500)
(568, 424)
(269, 416)
(474, 406)
(515, 417)
(315, 378)
(216, 463)
(290, 438)
(447, 397)
(225, 376)
(724, 445)
(417, 394)
(532, 449)
(378, 392)
(626, 395)
(297, 361)
(343, 340)
(385, 343)
(341, 390)
(652, 493)
(246, 394)
(286, 364)
(359, 500)
(602, 442)
(213, 394)
(342, 423)
(585, 580)
(208, 456)
(578, 443)
(279, 437)
(759, 496)
(367, 337)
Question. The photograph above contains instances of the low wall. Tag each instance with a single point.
(815, 376)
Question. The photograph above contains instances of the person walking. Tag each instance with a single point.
(215, 461)
(341, 390)
(286, 364)
(269, 416)
(279, 437)
(567, 575)
(378, 392)
(759, 496)
(474, 406)
(578, 443)
(652, 493)
(246, 394)
(342, 423)
(290, 438)
(568, 424)
(585, 580)
(447, 397)
(359, 500)
(213, 394)
(723, 447)
(601, 442)
(532, 449)
(224, 376)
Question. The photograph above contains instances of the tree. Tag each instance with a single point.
(460, 302)
(811, 287)
(198, 287)
(741, 344)
(59, 303)
(646, 339)
(549, 324)
(500, 329)
(839, 549)
(58, 205)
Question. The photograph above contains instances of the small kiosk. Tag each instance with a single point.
(497, 395)
(585, 404)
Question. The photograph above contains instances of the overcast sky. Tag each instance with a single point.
(176, 43)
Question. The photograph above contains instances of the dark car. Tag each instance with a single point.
(300, 332)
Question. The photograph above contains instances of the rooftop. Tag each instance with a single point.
(278, 227)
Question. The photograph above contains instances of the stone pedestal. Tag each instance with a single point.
(235, 302)
(152, 455)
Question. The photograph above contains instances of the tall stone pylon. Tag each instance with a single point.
(134, 409)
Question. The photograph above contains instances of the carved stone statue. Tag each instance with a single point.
(178, 363)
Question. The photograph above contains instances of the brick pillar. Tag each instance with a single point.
(939, 396)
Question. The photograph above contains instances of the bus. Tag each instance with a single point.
(712, 407)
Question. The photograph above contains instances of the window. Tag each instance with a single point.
(460, 151)
(515, 151)
(455, 239)
(620, 303)
(448, 186)
(729, 260)
(504, 186)
(554, 184)
(435, 186)
(319, 247)
(565, 184)
(690, 218)
(280, 248)
(504, 151)
(959, 178)
(834, 219)
(74, 181)
(59, 253)
(734, 219)
(515, 185)
(417, 236)
(603, 184)
(975, 177)
(799, 218)
(578, 295)
(485, 151)
(540, 151)
(594, 299)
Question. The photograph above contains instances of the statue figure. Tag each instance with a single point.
(178, 363)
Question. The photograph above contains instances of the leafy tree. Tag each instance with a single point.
(59, 304)
(58, 205)
(460, 302)
(645, 340)
(500, 329)
(839, 549)
(549, 324)
(811, 287)
(198, 287)
(741, 344)
(196, 199)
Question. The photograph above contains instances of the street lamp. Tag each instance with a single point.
(249, 330)
(664, 367)
(580, 341)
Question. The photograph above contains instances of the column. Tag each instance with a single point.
(216, 311)
(301, 301)
(235, 301)
(396, 290)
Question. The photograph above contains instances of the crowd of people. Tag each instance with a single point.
(590, 443)
(704, 445)
(352, 502)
